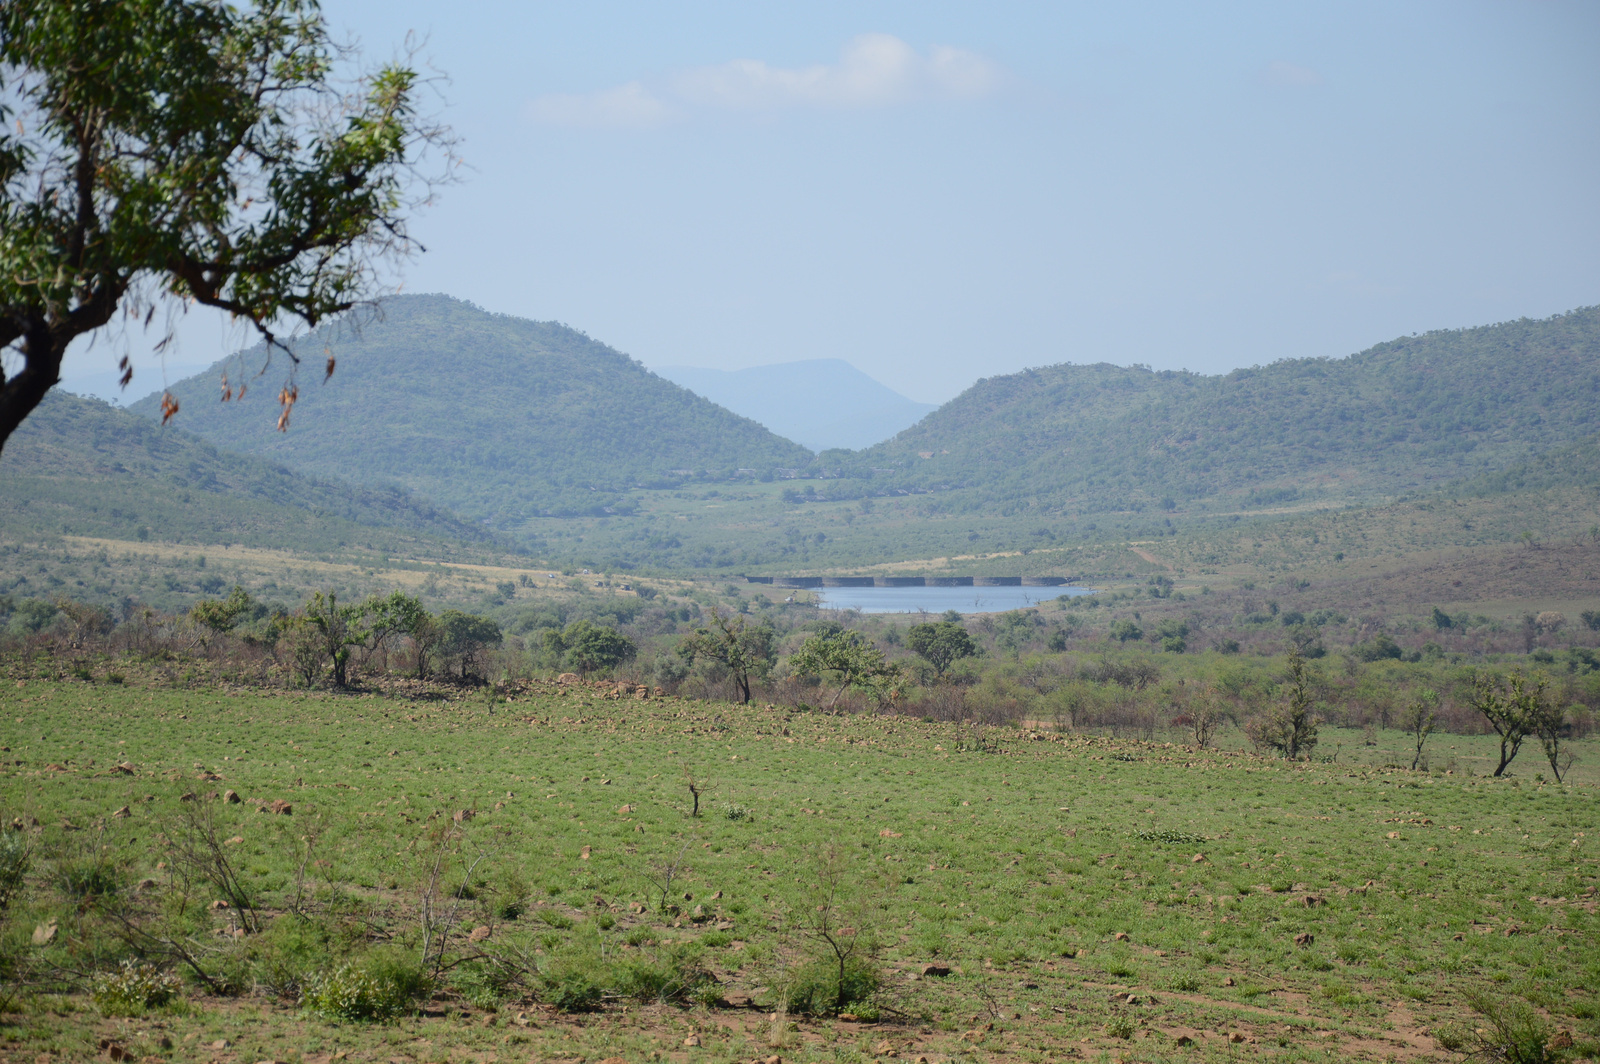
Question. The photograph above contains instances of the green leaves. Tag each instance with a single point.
(192, 149)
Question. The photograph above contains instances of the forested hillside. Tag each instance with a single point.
(1406, 415)
(82, 467)
(498, 418)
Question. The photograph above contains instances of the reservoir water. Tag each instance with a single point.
(939, 599)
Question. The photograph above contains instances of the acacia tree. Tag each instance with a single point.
(738, 647)
(941, 644)
(1511, 709)
(196, 150)
(854, 660)
(1419, 720)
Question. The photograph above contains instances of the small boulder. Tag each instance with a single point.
(1120, 936)
(936, 971)
(44, 934)
(569, 678)
(478, 934)
(464, 815)
(1311, 901)
(281, 807)
(123, 813)
(231, 797)
(692, 1040)
(1197, 858)
(187, 796)
(1304, 939)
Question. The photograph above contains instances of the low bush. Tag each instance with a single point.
(379, 988)
(815, 988)
(134, 987)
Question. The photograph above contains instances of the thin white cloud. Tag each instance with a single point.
(626, 105)
(874, 70)
(1280, 73)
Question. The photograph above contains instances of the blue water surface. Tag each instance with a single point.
(939, 599)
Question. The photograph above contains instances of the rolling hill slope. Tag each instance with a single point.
(82, 467)
(1407, 415)
(498, 418)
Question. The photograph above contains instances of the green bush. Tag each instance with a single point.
(572, 983)
(287, 955)
(1511, 1032)
(1120, 1027)
(134, 987)
(815, 988)
(14, 864)
(378, 989)
(91, 878)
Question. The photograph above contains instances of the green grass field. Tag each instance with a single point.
(1054, 875)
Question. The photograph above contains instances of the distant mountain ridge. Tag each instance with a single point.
(821, 403)
(498, 418)
(1402, 416)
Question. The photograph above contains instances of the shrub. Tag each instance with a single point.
(14, 863)
(1120, 1027)
(1511, 1032)
(379, 989)
(134, 987)
(814, 987)
(88, 879)
(572, 983)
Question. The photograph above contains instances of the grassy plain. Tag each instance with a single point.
(1055, 875)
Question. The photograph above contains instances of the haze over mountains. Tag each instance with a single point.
(822, 403)
(498, 418)
(522, 427)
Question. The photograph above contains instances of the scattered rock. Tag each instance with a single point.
(1184, 1040)
(123, 813)
(144, 885)
(187, 796)
(44, 934)
(1393, 835)
(972, 1036)
(479, 934)
(1235, 1037)
(884, 1048)
(463, 815)
(236, 840)
(114, 1050)
(887, 834)
(1120, 936)
(1228, 981)
(692, 1040)
(281, 807)
(624, 810)
(231, 797)
(1304, 939)
(1311, 901)
(1197, 858)
(124, 768)
(584, 854)
(219, 905)
(569, 678)
(221, 1043)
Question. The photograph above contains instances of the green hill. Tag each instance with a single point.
(81, 467)
(495, 417)
(1403, 416)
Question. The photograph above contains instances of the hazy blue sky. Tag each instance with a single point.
(940, 192)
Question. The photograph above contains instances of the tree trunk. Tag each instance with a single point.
(41, 371)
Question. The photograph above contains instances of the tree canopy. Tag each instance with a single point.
(191, 149)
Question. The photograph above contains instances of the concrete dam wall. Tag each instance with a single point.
(907, 581)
